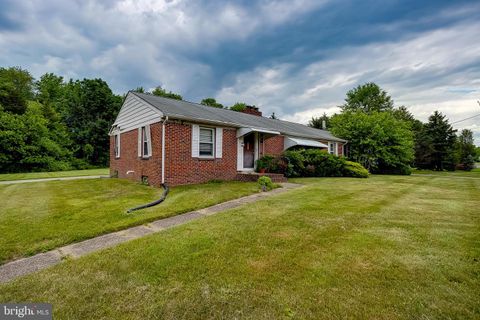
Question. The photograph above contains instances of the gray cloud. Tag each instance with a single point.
(147, 42)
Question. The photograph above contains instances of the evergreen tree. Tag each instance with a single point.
(440, 138)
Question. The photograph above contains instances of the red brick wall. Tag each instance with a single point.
(252, 110)
(129, 160)
(181, 168)
(273, 146)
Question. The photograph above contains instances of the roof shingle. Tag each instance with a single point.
(179, 109)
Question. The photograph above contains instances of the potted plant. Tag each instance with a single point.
(261, 165)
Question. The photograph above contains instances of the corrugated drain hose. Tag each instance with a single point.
(154, 203)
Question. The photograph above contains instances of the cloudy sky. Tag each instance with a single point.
(296, 58)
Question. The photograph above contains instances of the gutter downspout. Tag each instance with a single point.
(163, 149)
(164, 186)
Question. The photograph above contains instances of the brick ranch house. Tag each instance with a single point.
(177, 142)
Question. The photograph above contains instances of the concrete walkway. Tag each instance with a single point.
(41, 261)
(51, 179)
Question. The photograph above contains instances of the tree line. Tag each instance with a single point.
(51, 124)
(388, 139)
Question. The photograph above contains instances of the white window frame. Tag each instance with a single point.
(335, 148)
(146, 142)
(116, 140)
(212, 156)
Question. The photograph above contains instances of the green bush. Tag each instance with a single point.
(318, 163)
(265, 162)
(294, 163)
(322, 164)
(354, 169)
(265, 183)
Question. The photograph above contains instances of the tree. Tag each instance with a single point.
(139, 90)
(368, 97)
(28, 144)
(212, 103)
(421, 149)
(239, 106)
(50, 91)
(16, 88)
(317, 122)
(159, 91)
(440, 138)
(466, 149)
(91, 110)
(379, 141)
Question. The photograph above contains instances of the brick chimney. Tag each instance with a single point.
(252, 110)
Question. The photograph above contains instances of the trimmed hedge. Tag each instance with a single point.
(313, 163)
(355, 169)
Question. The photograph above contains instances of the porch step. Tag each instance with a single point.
(247, 177)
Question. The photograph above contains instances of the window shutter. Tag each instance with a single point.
(119, 144)
(139, 142)
(149, 137)
(195, 140)
(218, 142)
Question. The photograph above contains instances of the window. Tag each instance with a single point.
(144, 142)
(117, 145)
(206, 142)
(332, 148)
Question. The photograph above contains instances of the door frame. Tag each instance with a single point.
(240, 142)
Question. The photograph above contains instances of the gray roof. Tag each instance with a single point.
(184, 110)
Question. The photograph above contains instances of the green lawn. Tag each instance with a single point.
(43, 215)
(340, 248)
(457, 173)
(56, 174)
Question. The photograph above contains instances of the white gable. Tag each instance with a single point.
(136, 113)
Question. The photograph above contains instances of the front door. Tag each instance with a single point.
(249, 151)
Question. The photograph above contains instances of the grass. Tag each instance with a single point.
(475, 173)
(340, 248)
(40, 216)
(56, 174)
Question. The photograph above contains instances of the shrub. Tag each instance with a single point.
(294, 163)
(324, 164)
(354, 169)
(264, 162)
(265, 183)
(317, 163)
(271, 164)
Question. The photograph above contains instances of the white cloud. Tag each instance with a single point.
(150, 39)
(421, 72)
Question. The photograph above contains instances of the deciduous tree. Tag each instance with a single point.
(212, 103)
(368, 97)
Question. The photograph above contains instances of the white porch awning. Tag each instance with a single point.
(291, 142)
(243, 131)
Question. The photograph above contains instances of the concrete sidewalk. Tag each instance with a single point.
(52, 179)
(41, 261)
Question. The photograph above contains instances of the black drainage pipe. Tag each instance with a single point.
(154, 203)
